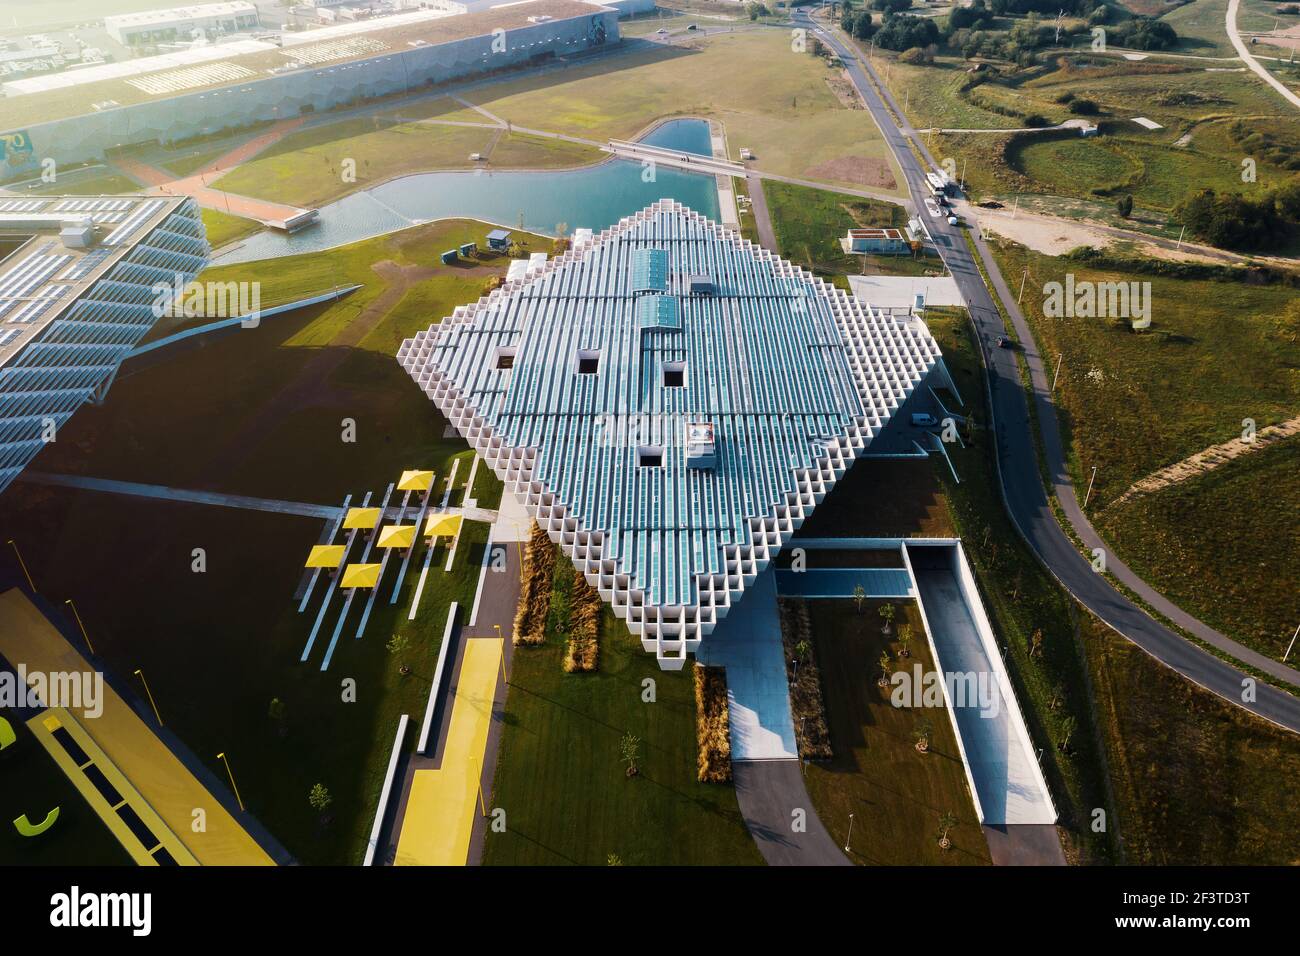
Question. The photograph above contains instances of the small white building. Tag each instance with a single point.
(181, 23)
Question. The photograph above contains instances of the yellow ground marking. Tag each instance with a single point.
(43, 725)
(440, 811)
(162, 781)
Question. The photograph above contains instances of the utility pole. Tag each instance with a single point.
(1291, 645)
(1022, 286)
(1090, 481)
(1058, 370)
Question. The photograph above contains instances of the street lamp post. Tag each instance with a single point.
(22, 564)
(229, 773)
(157, 716)
(848, 838)
(84, 635)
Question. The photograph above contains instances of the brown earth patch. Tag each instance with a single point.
(860, 170)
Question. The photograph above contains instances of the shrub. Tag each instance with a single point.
(712, 725)
(584, 627)
(1084, 107)
(535, 595)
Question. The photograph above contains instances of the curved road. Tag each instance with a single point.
(1022, 487)
(1244, 52)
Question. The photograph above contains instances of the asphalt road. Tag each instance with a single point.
(1022, 486)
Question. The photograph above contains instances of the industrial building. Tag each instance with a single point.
(889, 242)
(79, 116)
(78, 280)
(669, 401)
(182, 23)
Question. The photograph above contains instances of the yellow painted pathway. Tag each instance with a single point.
(127, 751)
(440, 810)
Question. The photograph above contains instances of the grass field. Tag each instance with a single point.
(98, 182)
(1197, 781)
(1200, 28)
(260, 412)
(895, 793)
(1134, 403)
(223, 228)
(809, 224)
(1211, 545)
(276, 397)
(561, 781)
(775, 101)
(217, 647)
(78, 837)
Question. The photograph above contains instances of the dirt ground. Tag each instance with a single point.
(861, 170)
(1055, 237)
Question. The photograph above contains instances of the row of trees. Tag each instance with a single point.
(1234, 221)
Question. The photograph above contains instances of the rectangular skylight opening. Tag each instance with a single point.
(674, 375)
(505, 357)
(650, 456)
(587, 362)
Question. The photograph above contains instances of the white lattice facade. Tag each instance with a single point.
(670, 322)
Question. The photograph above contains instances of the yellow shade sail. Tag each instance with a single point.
(363, 518)
(415, 481)
(325, 556)
(442, 526)
(360, 576)
(396, 536)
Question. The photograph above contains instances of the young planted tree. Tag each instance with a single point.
(398, 645)
(947, 820)
(859, 596)
(320, 800)
(278, 712)
(921, 735)
(886, 670)
(904, 640)
(803, 650)
(886, 613)
(1067, 731)
(630, 748)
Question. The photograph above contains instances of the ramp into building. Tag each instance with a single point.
(1000, 759)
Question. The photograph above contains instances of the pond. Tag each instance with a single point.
(592, 196)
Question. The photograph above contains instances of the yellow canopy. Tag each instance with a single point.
(325, 556)
(396, 536)
(442, 526)
(363, 518)
(415, 481)
(360, 576)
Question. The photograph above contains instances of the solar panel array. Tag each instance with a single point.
(101, 211)
(335, 50)
(23, 205)
(141, 214)
(27, 277)
(174, 81)
(794, 375)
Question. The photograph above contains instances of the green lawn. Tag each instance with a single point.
(894, 793)
(1197, 781)
(223, 228)
(561, 781)
(809, 224)
(260, 412)
(1134, 403)
(34, 785)
(101, 182)
(1211, 545)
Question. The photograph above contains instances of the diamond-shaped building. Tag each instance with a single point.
(670, 401)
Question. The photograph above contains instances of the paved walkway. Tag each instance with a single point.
(762, 216)
(162, 183)
(747, 642)
(270, 505)
(770, 794)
